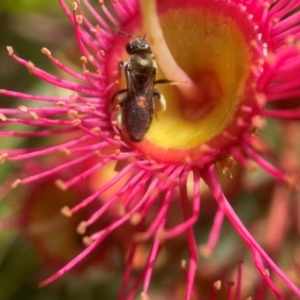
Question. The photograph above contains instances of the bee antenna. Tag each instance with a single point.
(124, 33)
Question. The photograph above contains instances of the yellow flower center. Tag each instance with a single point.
(211, 50)
(212, 45)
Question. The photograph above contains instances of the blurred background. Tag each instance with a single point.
(34, 237)
(36, 240)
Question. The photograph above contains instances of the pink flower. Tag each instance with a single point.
(237, 59)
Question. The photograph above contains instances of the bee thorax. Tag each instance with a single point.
(141, 64)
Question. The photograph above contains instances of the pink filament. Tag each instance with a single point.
(210, 177)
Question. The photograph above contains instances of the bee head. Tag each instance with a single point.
(138, 45)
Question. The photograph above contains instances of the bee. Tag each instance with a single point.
(138, 102)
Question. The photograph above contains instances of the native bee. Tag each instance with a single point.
(140, 99)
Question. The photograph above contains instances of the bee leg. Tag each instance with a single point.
(118, 117)
(160, 104)
(117, 98)
(167, 81)
(116, 107)
(163, 81)
(121, 66)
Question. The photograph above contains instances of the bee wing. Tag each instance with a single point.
(135, 87)
(139, 107)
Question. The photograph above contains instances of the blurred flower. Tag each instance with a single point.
(53, 236)
(237, 58)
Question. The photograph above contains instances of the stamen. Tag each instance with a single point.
(61, 185)
(16, 183)
(3, 157)
(34, 115)
(87, 241)
(207, 249)
(22, 108)
(2, 117)
(183, 264)
(144, 296)
(66, 211)
(81, 228)
(135, 218)
(218, 284)
(10, 50)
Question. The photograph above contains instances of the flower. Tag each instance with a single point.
(238, 60)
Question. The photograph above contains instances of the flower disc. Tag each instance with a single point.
(212, 44)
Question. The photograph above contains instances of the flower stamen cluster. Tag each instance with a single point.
(81, 125)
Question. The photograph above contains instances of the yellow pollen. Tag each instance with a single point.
(96, 129)
(16, 183)
(46, 51)
(30, 66)
(218, 284)
(74, 6)
(10, 50)
(144, 296)
(91, 58)
(72, 113)
(61, 185)
(87, 241)
(261, 99)
(3, 158)
(60, 104)
(73, 96)
(135, 218)
(258, 122)
(76, 122)
(66, 211)
(65, 151)
(183, 264)
(2, 117)
(34, 115)
(84, 59)
(79, 19)
(81, 228)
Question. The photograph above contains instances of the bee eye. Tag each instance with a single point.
(129, 48)
(147, 49)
